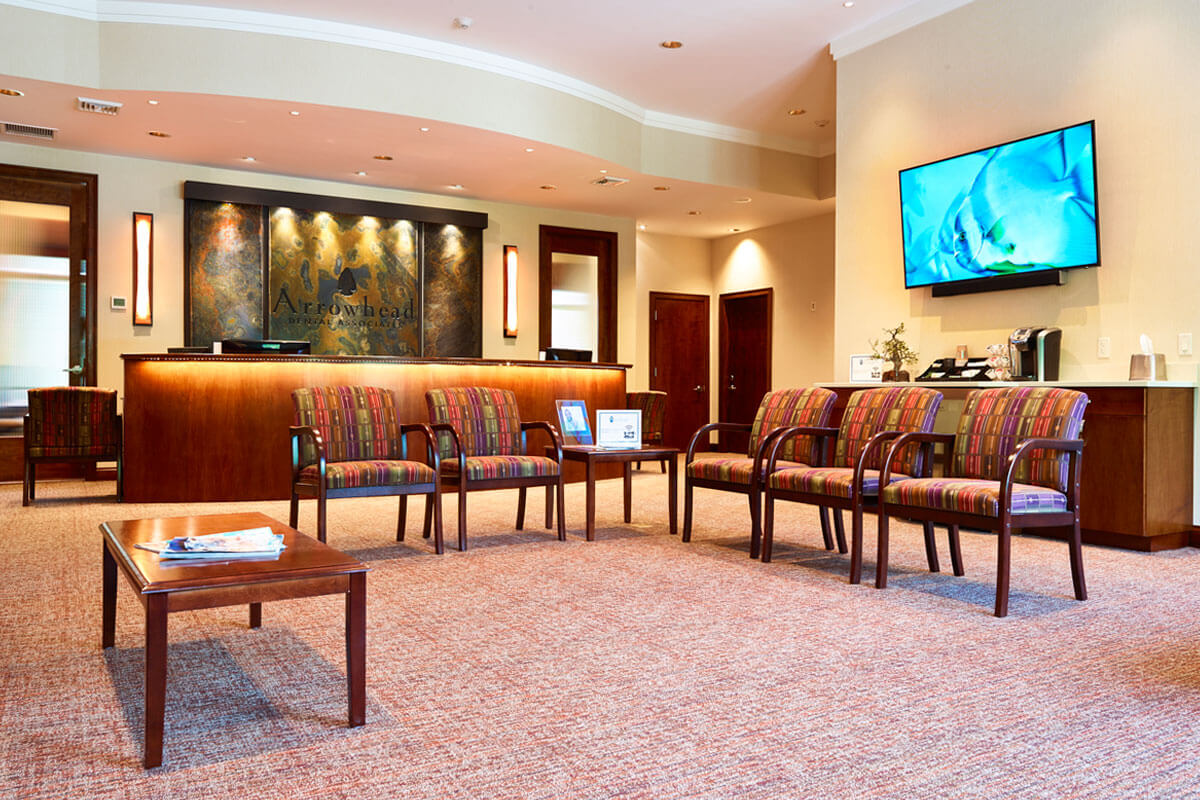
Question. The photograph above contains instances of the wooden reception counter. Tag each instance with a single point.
(215, 427)
(1136, 481)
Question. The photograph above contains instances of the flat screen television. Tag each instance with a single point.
(1002, 217)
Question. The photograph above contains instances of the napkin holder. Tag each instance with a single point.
(1147, 367)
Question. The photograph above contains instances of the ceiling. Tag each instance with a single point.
(739, 72)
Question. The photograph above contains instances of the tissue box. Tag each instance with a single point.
(1143, 367)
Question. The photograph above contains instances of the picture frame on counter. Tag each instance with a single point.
(866, 368)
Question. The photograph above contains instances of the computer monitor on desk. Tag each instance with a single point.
(567, 354)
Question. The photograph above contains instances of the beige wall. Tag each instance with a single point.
(128, 184)
(795, 259)
(996, 70)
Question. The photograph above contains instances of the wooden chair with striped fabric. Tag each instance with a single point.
(71, 423)
(348, 442)
(779, 410)
(850, 480)
(653, 406)
(482, 445)
(1013, 464)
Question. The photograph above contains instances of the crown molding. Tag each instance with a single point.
(886, 27)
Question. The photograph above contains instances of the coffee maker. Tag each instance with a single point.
(1034, 352)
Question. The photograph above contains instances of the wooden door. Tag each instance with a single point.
(679, 362)
(745, 359)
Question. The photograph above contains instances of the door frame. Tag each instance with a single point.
(582, 242)
(723, 340)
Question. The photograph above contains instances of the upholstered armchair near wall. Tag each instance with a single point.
(653, 406)
(71, 423)
(348, 442)
(785, 408)
(850, 479)
(482, 445)
(1014, 464)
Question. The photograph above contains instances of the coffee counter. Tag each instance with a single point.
(1137, 481)
(215, 427)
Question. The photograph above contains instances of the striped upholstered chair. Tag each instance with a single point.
(348, 442)
(653, 406)
(71, 423)
(1014, 464)
(780, 409)
(481, 441)
(850, 480)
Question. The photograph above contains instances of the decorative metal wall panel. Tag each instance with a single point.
(453, 291)
(347, 284)
(224, 272)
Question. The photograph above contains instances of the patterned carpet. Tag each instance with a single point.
(631, 667)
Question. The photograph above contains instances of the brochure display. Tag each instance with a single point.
(619, 429)
(573, 422)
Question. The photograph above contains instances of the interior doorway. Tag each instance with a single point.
(47, 293)
(577, 252)
(745, 359)
(679, 362)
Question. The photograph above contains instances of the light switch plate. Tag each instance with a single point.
(1104, 347)
(1185, 344)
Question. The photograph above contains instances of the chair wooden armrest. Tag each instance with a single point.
(738, 427)
(1025, 450)
(777, 437)
(551, 431)
(926, 440)
(446, 427)
(431, 451)
(299, 433)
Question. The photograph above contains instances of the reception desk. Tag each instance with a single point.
(215, 427)
(1136, 481)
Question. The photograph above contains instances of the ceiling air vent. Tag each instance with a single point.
(32, 131)
(609, 180)
(108, 107)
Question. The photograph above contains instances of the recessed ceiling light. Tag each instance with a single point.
(159, 134)
(743, 200)
(603, 172)
(549, 187)
(528, 149)
(848, 4)
(152, 102)
(12, 92)
(662, 188)
(249, 158)
(693, 213)
(456, 187)
(423, 130)
(462, 23)
(642, 227)
(735, 230)
(383, 158)
(294, 113)
(795, 112)
(360, 173)
(821, 123)
(670, 45)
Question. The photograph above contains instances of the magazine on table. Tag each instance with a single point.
(573, 422)
(248, 543)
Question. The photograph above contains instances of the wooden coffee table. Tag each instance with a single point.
(306, 568)
(591, 456)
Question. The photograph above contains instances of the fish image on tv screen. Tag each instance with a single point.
(1012, 209)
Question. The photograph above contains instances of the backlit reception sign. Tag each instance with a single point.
(348, 283)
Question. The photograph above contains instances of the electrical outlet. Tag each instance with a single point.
(1104, 347)
(1185, 344)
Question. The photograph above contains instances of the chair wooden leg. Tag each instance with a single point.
(856, 543)
(426, 524)
(550, 506)
(768, 536)
(562, 525)
(931, 554)
(120, 479)
(1076, 548)
(27, 488)
(823, 514)
(1003, 561)
(881, 552)
(434, 499)
(662, 467)
(462, 517)
(294, 509)
(755, 524)
(321, 517)
(687, 510)
(521, 509)
(402, 522)
(955, 550)
(839, 529)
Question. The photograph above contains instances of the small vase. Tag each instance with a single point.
(898, 375)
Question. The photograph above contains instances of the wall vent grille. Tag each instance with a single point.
(31, 131)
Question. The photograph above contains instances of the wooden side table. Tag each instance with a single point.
(306, 568)
(591, 456)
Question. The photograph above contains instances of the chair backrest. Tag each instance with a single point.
(908, 409)
(995, 421)
(785, 408)
(73, 421)
(358, 423)
(654, 407)
(488, 421)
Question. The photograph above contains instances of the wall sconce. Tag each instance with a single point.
(510, 291)
(143, 268)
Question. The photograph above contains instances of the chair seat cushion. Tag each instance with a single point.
(973, 496)
(358, 474)
(828, 481)
(731, 470)
(490, 468)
